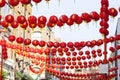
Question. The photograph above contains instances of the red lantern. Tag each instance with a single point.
(99, 42)
(70, 44)
(79, 63)
(35, 42)
(24, 25)
(21, 19)
(14, 24)
(51, 25)
(87, 52)
(50, 44)
(79, 21)
(11, 38)
(53, 19)
(37, 1)
(104, 31)
(60, 23)
(113, 12)
(62, 44)
(112, 49)
(104, 8)
(9, 18)
(13, 2)
(80, 53)
(56, 44)
(68, 53)
(83, 57)
(105, 2)
(74, 17)
(76, 44)
(82, 44)
(86, 17)
(42, 43)
(74, 53)
(19, 40)
(25, 2)
(27, 41)
(68, 58)
(32, 25)
(53, 51)
(94, 15)
(4, 24)
(66, 49)
(47, 51)
(69, 22)
(63, 18)
(78, 58)
(42, 20)
(69, 62)
(88, 57)
(104, 15)
(2, 3)
(104, 23)
(73, 58)
(32, 19)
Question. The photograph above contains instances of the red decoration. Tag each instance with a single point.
(104, 24)
(94, 15)
(11, 38)
(47, 51)
(60, 23)
(105, 2)
(2, 3)
(74, 17)
(79, 21)
(35, 42)
(112, 49)
(69, 22)
(51, 25)
(42, 19)
(104, 31)
(24, 25)
(63, 18)
(25, 2)
(53, 19)
(9, 18)
(13, 2)
(32, 19)
(21, 19)
(14, 24)
(32, 25)
(113, 12)
(19, 40)
(42, 43)
(86, 17)
(80, 53)
(50, 44)
(40, 25)
(70, 44)
(4, 24)
(104, 15)
(62, 44)
(56, 44)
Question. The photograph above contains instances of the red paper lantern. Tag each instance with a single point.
(50, 44)
(35, 42)
(53, 51)
(66, 49)
(80, 53)
(104, 8)
(112, 49)
(19, 40)
(86, 17)
(51, 25)
(87, 52)
(2, 3)
(78, 58)
(24, 25)
(104, 31)
(47, 51)
(68, 58)
(68, 53)
(37, 1)
(94, 15)
(88, 57)
(32, 19)
(111, 39)
(79, 63)
(25, 2)
(79, 21)
(42, 19)
(63, 18)
(9, 18)
(56, 44)
(74, 17)
(14, 24)
(74, 53)
(83, 57)
(104, 24)
(42, 43)
(4, 24)
(60, 23)
(13, 2)
(70, 44)
(99, 42)
(113, 12)
(73, 58)
(104, 15)
(11, 38)
(53, 19)
(69, 22)
(62, 44)
(40, 25)
(21, 19)
(32, 25)
(69, 62)
(82, 44)
(105, 2)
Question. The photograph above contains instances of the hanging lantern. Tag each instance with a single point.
(88, 57)
(104, 24)
(25, 2)
(111, 39)
(37, 1)
(104, 8)
(21, 19)
(79, 63)
(78, 58)
(74, 53)
(104, 15)
(13, 2)
(51, 25)
(79, 21)
(66, 49)
(56, 44)
(113, 12)
(9, 18)
(68, 53)
(82, 44)
(69, 62)
(14, 24)
(112, 49)
(53, 19)
(69, 22)
(105, 2)
(27, 41)
(11, 38)
(32, 19)
(42, 19)
(24, 25)
(42, 43)
(62, 44)
(83, 57)
(53, 51)
(32, 25)
(86, 17)
(74, 17)
(19, 40)
(50, 44)
(68, 58)
(35, 42)
(95, 16)
(76, 44)
(63, 18)
(4, 24)
(70, 44)
(99, 42)
(80, 53)
(104, 31)
(60, 23)
(47, 51)
(73, 58)
(2, 3)
(87, 52)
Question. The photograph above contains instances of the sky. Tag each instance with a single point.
(83, 32)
